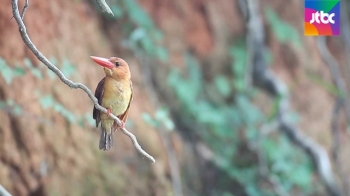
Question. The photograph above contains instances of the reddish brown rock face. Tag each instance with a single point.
(42, 152)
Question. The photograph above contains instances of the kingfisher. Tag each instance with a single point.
(113, 92)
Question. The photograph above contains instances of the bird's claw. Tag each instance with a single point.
(122, 126)
(108, 112)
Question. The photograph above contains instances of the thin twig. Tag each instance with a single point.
(71, 84)
(4, 192)
(267, 81)
(104, 6)
(25, 8)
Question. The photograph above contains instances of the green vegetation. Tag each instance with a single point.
(10, 73)
(283, 31)
(225, 123)
(142, 36)
(229, 124)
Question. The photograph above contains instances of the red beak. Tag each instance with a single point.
(103, 62)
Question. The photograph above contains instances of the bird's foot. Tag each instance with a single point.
(122, 126)
(108, 112)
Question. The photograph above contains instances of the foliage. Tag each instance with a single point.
(9, 73)
(142, 35)
(33, 70)
(67, 68)
(238, 66)
(161, 118)
(226, 121)
(48, 102)
(11, 106)
(283, 31)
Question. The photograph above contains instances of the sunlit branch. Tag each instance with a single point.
(104, 6)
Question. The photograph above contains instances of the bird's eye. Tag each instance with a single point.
(117, 64)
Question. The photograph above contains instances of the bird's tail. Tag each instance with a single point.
(106, 139)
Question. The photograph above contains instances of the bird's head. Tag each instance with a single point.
(114, 67)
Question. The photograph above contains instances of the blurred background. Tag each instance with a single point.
(230, 98)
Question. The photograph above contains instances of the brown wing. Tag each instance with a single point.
(124, 116)
(98, 94)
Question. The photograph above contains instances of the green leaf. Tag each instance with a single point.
(162, 116)
(89, 119)
(17, 110)
(10, 102)
(223, 85)
(137, 14)
(6, 71)
(137, 35)
(238, 54)
(162, 54)
(283, 31)
(18, 71)
(7, 75)
(2, 63)
(148, 46)
(116, 11)
(37, 73)
(67, 68)
(46, 102)
(27, 63)
(149, 120)
(169, 124)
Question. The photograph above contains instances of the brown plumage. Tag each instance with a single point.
(113, 92)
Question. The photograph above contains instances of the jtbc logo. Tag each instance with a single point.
(325, 18)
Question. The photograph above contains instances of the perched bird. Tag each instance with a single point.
(114, 92)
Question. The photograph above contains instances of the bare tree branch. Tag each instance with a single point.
(71, 84)
(342, 102)
(335, 130)
(345, 32)
(333, 67)
(104, 6)
(345, 23)
(267, 81)
(4, 192)
(336, 144)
